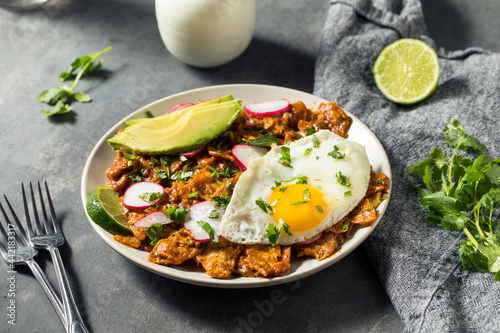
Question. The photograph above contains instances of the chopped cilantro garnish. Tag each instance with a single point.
(150, 196)
(162, 173)
(214, 214)
(346, 223)
(285, 159)
(267, 208)
(130, 156)
(308, 151)
(306, 197)
(286, 229)
(283, 189)
(136, 178)
(319, 208)
(149, 114)
(210, 231)
(154, 161)
(335, 153)
(301, 179)
(164, 160)
(342, 179)
(222, 202)
(178, 215)
(182, 176)
(315, 141)
(273, 233)
(193, 195)
(264, 141)
(347, 193)
(154, 233)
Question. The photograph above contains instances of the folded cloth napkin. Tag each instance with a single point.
(417, 262)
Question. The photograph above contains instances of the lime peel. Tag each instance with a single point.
(103, 207)
(407, 71)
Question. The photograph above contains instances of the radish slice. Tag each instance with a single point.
(201, 212)
(153, 218)
(179, 107)
(131, 197)
(193, 153)
(243, 154)
(310, 241)
(267, 109)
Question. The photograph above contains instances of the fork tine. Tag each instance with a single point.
(55, 223)
(48, 226)
(21, 234)
(27, 213)
(35, 211)
(4, 239)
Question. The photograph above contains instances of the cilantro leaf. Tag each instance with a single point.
(336, 154)
(285, 159)
(214, 238)
(223, 201)
(342, 179)
(273, 233)
(306, 197)
(178, 215)
(150, 196)
(154, 233)
(59, 108)
(266, 140)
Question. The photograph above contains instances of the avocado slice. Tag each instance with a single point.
(179, 131)
(226, 98)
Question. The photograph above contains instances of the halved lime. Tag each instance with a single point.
(103, 207)
(407, 71)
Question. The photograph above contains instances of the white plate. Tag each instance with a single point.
(101, 157)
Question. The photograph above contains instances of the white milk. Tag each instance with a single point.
(206, 33)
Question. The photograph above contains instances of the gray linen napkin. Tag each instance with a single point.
(418, 263)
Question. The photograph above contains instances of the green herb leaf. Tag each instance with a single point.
(192, 195)
(222, 202)
(149, 114)
(315, 141)
(82, 97)
(285, 156)
(214, 214)
(342, 179)
(214, 238)
(154, 233)
(347, 193)
(136, 178)
(336, 154)
(178, 215)
(273, 233)
(319, 208)
(266, 140)
(150, 196)
(286, 229)
(308, 151)
(59, 108)
(267, 208)
(346, 224)
(306, 197)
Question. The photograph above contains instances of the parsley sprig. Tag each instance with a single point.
(60, 97)
(462, 194)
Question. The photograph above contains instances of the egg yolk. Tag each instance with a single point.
(301, 206)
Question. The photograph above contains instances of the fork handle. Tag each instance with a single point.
(74, 322)
(49, 291)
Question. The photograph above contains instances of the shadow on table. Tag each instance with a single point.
(323, 301)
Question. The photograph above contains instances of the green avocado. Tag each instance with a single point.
(180, 131)
(229, 97)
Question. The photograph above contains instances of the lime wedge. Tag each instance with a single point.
(407, 71)
(103, 207)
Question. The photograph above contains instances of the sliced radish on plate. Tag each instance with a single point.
(310, 241)
(243, 154)
(193, 153)
(153, 218)
(143, 195)
(179, 107)
(267, 109)
(207, 212)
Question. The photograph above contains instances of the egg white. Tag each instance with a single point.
(245, 222)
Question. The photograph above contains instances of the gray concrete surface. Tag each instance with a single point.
(113, 294)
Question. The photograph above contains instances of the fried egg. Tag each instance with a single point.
(302, 188)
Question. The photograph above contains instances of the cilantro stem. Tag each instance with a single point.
(472, 239)
(84, 68)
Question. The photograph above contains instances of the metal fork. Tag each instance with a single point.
(16, 249)
(48, 236)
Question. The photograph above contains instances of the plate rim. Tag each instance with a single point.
(236, 282)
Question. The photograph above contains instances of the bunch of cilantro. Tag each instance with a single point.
(462, 194)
